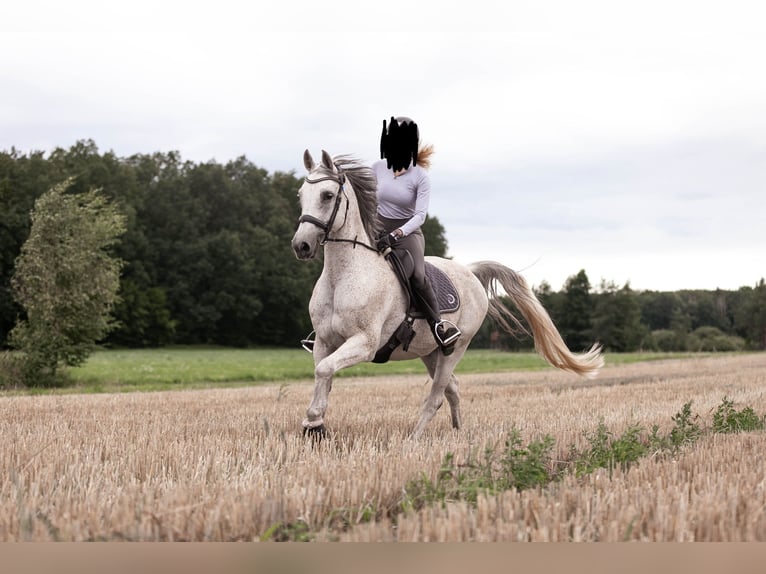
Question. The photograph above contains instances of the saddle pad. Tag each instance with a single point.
(446, 294)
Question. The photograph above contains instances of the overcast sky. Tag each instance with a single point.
(624, 138)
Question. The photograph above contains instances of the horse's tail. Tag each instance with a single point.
(548, 341)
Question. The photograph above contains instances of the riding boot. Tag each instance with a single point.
(445, 332)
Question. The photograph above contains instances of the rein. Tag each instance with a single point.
(327, 226)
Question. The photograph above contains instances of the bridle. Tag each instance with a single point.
(326, 226)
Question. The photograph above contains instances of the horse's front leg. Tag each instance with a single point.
(355, 350)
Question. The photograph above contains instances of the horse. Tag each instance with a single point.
(357, 303)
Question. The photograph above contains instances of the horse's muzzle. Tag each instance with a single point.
(303, 249)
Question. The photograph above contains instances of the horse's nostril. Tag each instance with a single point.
(302, 249)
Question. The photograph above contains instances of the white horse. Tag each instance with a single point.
(358, 303)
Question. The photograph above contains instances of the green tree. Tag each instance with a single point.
(706, 308)
(751, 319)
(680, 326)
(574, 322)
(65, 280)
(617, 318)
(23, 178)
(436, 237)
(286, 288)
(142, 318)
(657, 308)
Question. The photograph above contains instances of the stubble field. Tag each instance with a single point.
(231, 464)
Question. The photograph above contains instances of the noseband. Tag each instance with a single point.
(326, 226)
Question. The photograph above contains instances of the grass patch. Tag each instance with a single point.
(115, 370)
(186, 367)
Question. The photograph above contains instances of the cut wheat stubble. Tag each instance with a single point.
(229, 464)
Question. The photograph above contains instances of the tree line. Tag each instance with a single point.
(625, 320)
(206, 259)
(206, 255)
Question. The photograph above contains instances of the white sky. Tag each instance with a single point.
(624, 138)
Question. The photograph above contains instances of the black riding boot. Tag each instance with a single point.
(445, 332)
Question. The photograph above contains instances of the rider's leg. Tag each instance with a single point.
(444, 332)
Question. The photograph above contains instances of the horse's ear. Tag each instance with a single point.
(327, 161)
(308, 161)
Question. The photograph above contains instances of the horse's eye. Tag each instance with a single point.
(327, 195)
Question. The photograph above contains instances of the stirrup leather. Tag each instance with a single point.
(445, 326)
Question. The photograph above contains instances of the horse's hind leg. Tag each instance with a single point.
(453, 398)
(451, 392)
(444, 383)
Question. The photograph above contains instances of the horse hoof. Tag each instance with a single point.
(316, 434)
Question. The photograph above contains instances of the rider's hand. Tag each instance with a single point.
(387, 241)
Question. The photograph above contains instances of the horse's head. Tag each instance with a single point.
(320, 198)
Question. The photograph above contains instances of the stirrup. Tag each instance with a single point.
(446, 325)
(308, 342)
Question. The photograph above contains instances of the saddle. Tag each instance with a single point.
(446, 296)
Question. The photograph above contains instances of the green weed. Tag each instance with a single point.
(519, 466)
(342, 519)
(687, 429)
(608, 452)
(515, 467)
(288, 532)
(727, 419)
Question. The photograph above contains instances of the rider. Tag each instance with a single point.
(403, 194)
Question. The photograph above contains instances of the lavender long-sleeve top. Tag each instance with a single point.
(403, 197)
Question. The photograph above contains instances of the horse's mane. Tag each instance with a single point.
(362, 179)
